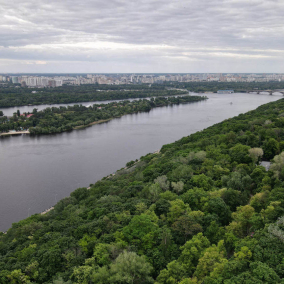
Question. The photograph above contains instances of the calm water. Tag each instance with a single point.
(35, 172)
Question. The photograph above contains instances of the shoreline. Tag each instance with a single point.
(90, 124)
(15, 133)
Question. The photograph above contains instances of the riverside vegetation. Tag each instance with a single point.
(202, 210)
(11, 96)
(238, 87)
(56, 120)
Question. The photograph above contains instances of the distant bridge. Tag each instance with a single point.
(266, 91)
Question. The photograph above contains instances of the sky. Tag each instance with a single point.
(142, 36)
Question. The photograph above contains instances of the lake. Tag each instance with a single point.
(36, 172)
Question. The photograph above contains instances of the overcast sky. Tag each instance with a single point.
(142, 36)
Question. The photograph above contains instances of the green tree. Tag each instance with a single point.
(177, 209)
(141, 231)
(18, 277)
(131, 268)
(271, 148)
(163, 182)
(212, 262)
(242, 221)
(202, 181)
(240, 154)
(255, 154)
(177, 186)
(278, 165)
(191, 252)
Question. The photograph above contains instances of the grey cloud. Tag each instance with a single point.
(221, 31)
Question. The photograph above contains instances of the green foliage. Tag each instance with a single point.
(271, 148)
(240, 154)
(84, 93)
(130, 268)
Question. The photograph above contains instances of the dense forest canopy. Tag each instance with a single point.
(56, 120)
(202, 210)
(11, 96)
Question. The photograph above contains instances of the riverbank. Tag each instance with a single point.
(92, 123)
(47, 210)
(15, 133)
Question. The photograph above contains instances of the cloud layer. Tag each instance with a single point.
(142, 36)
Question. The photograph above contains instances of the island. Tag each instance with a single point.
(56, 120)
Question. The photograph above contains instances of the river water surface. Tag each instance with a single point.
(36, 172)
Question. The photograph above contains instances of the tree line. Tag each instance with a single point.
(18, 96)
(201, 87)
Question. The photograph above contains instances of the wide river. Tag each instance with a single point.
(36, 172)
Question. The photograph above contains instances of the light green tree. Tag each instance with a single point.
(163, 182)
(177, 186)
(130, 268)
(277, 165)
(212, 262)
(255, 154)
(18, 277)
(178, 208)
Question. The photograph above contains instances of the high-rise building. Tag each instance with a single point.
(52, 83)
(32, 81)
(58, 83)
(44, 82)
(15, 79)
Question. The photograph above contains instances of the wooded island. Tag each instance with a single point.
(56, 120)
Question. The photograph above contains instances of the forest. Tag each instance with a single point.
(238, 87)
(56, 120)
(201, 210)
(11, 96)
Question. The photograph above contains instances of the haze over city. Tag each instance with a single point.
(149, 36)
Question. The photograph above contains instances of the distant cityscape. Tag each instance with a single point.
(118, 79)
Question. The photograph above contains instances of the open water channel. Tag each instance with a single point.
(36, 172)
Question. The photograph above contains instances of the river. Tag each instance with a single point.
(36, 172)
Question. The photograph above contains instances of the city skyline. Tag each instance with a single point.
(142, 37)
(120, 79)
